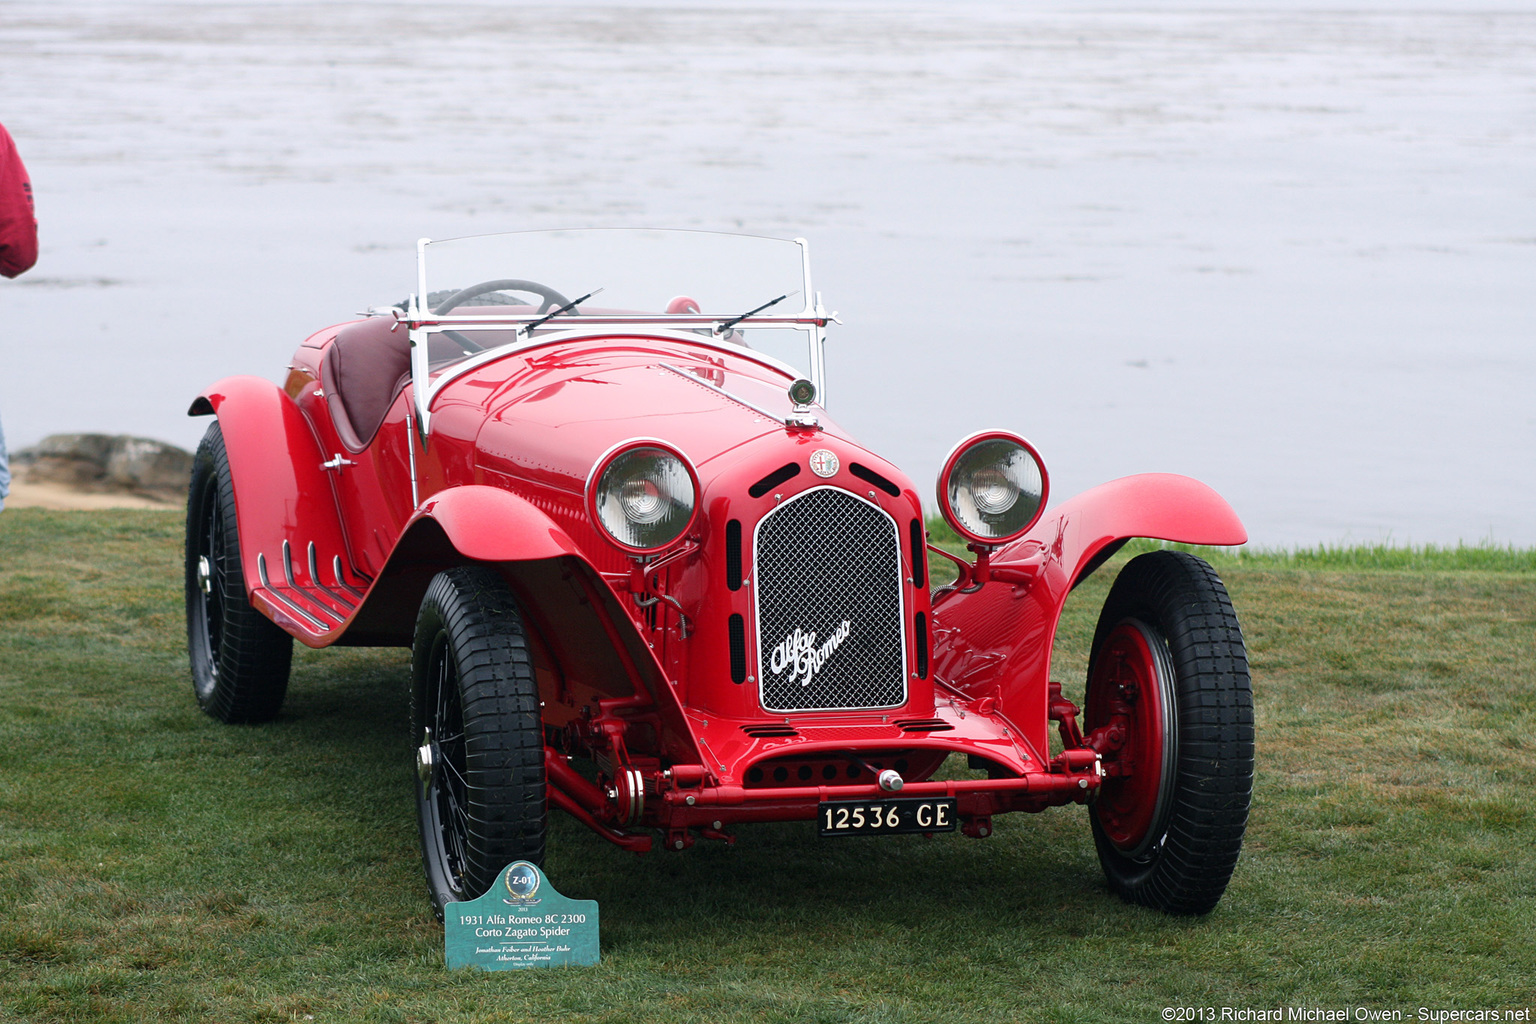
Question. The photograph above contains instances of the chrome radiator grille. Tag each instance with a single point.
(827, 567)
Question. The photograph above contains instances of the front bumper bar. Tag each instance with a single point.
(710, 809)
(975, 797)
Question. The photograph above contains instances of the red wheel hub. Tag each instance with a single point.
(1129, 698)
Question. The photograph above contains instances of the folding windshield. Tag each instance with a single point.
(479, 295)
(632, 271)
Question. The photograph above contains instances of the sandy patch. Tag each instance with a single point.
(54, 496)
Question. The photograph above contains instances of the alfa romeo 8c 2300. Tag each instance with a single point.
(590, 479)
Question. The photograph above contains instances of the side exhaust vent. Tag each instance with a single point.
(919, 554)
(738, 636)
(733, 554)
(922, 645)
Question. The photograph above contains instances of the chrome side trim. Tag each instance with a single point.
(341, 579)
(314, 578)
(277, 595)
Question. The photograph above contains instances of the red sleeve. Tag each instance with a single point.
(18, 220)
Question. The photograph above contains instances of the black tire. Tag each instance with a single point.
(480, 794)
(1169, 833)
(240, 658)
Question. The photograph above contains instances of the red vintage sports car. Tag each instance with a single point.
(647, 581)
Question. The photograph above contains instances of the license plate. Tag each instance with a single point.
(887, 817)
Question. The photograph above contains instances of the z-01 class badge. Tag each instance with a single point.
(522, 881)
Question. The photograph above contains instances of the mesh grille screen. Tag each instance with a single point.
(828, 571)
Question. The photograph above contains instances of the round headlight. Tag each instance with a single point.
(993, 487)
(643, 494)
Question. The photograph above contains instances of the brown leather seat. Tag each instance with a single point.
(363, 371)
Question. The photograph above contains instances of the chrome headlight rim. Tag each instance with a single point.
(606, 461)
(951, 461)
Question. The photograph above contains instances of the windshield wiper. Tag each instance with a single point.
(528, 328)
(727, 325)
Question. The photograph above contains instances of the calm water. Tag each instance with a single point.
(1291, 252)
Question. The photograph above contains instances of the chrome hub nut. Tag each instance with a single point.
(426, 759)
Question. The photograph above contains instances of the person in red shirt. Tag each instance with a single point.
(18, 243)
(18, 219)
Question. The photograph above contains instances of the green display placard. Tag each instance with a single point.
(521, 922)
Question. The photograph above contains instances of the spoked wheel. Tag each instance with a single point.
(240, 658)
(1168, 683)
(480, 796)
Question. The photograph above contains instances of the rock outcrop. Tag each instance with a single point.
(106, 462)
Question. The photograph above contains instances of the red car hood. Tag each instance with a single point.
(551, 413)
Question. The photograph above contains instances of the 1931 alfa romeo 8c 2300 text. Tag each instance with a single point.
(648, 582)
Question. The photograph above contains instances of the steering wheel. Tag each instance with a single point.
(551, 297)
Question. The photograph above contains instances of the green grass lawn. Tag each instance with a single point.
(156, 865)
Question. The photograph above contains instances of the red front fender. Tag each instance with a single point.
(472, 523)
(578, 623)
(1161, 506)
(489, 524)
(997, 640)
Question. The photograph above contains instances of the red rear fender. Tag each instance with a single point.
(282, 494)
(292, 545)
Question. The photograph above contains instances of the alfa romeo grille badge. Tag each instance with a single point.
(823, 462)
(801, 652)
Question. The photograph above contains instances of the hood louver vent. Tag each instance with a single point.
(925, 725)
(764, 731)
(788, 471)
